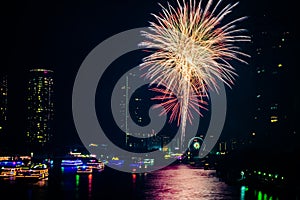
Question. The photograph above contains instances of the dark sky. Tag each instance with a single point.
(58, 35)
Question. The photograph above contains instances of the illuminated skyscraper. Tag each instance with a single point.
(40, 108)
(132, 110)
(271, 68)
(3, 105)
(274, 99)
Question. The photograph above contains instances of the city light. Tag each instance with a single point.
(185, 49)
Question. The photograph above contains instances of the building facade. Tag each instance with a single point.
(39, 108)
(3, 108)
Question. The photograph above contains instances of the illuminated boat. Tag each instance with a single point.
(8, 173)
(91, 166)
(84, 169)
(9, 168)
(71, 162)
(96, 165)
(34, 173)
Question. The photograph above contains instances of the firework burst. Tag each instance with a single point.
(191, 49)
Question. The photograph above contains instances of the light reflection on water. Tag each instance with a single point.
(183, 182)
(173, 182)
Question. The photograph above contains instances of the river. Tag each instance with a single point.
(175, 182)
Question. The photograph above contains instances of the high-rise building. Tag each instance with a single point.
(272, 108)
(134, 106)
(271, 63)
(40, 108)
(125, 109)
(3, 105)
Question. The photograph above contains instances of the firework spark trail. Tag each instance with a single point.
(191, 49)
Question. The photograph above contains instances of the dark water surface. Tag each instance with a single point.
(176, 182)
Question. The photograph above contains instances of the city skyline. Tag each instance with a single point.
(60, 42)
(79, 121)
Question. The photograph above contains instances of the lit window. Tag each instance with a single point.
(274, 119)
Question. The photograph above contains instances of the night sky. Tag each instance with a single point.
(58, 35)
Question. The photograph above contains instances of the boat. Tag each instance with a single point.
(9, 169)
(34, 172)
(71, 162)
(8, 173)
(84, 169)
(96, 165)
(90, 166)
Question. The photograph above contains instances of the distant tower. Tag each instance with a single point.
(125, 110)
(39, 104)
(3, 105)
(125, 114)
